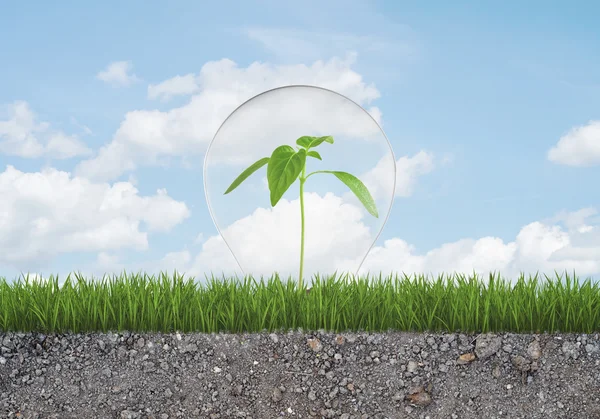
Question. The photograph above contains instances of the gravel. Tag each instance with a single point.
(299, 374)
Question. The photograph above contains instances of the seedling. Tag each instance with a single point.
(286, 165)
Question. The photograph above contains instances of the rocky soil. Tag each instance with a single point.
(299, 375)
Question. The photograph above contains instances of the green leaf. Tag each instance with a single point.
(310, 142)
(314, 154)
(247, 173)
(285, 165)
(359, 189)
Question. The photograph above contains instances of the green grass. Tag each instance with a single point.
(142, 303)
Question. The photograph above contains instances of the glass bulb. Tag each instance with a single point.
(339, 231)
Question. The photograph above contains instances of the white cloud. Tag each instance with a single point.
(118, 74)
(579, 147)
(145, 136)
(23, 136)
(464, 256)
(176, 86)
(408, 170)
(575, 220)
(174, 261)
(107, 259)
(268, 241)
(47, 213)
(107, 262)
(537, 247)
(63, 146)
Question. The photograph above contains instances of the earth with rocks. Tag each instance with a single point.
(299, 374)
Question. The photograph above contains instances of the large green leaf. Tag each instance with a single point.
(247, 173)
(359, 189)
(310, 142)
(285, 165)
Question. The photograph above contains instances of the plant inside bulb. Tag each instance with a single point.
(286, 165)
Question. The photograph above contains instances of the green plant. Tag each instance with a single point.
(285, 166)
(140, 302)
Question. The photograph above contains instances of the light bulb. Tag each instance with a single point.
(339, 230)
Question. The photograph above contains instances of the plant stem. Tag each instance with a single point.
(302, 180)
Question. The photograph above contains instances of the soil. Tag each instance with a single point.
(299, 375)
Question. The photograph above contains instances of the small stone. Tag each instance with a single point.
(487, 345)
(466, 358)
(570, 350)
(141, 343)
(412, 366)
(276, 395)
(521, 363)
(419, 397)
(533, 350)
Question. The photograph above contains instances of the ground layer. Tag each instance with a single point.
(299, 374)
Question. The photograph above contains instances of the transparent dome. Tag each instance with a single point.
(339, 230)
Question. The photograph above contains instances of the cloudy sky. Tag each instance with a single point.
(107, 110)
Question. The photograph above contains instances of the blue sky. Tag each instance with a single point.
(101, 173)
